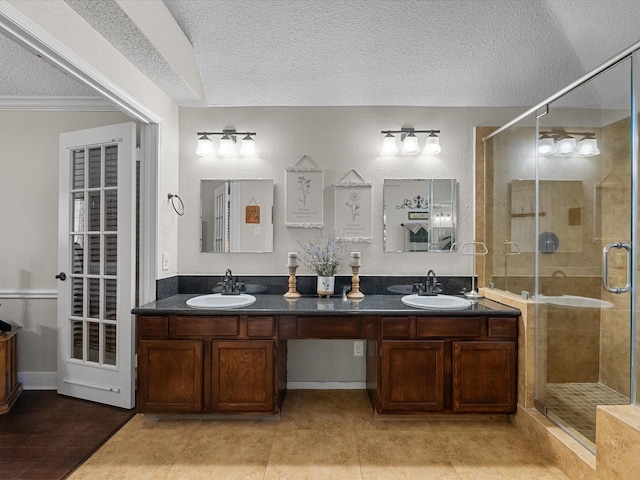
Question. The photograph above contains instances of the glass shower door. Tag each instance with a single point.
(582, 242)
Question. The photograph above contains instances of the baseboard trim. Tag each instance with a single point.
(38, 380)
(326, 385)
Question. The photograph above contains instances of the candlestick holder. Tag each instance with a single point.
(292, 293)
(355, 292)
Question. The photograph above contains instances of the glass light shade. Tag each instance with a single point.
(432, 145)
(410, 145)
(567, 146)
(389, 146)
(226, 147)
(588, 147)
(205, 147)
(248, 147)
(546, 146)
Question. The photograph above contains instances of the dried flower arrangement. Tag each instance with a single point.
(323, 255)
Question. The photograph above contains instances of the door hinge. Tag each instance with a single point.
(379, 399)
(138, 154)
(275, 352)
(275, 399)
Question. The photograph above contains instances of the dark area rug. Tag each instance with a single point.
(47, 436)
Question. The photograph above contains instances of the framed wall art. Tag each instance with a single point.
(352, 208)
(303, 202)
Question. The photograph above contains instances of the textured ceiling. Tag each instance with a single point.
(23, 74)
(351, 52)
(403, 52)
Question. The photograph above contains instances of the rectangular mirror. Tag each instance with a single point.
(419, 215)
(237, 216)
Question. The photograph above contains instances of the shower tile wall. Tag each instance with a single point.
(614, 327)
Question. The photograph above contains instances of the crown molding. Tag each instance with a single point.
(58, 104)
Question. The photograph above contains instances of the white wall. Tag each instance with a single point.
(29, 219)
(337, 139)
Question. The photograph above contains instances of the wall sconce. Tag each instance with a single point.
(227, 145)
(410, 144)
(564, 144)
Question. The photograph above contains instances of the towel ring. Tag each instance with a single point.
(172, 197)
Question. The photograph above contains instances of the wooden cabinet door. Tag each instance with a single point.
(412, 376)
(170, 375)
(484, 377)
(243, 376)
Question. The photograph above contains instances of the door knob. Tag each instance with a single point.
(61, 276)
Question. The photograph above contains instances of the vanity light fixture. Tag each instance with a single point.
(227, 145)
(410, 144)
(564, 144)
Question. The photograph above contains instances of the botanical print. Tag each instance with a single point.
(304, 185)
(304, 199)
(353, 202)
(352, 212)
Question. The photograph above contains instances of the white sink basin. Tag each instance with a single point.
(440, 302)
(575, 301)
(217, 300)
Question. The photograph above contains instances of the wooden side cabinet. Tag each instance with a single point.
(170, 374)
(484, 377)
(412, 376)
(243, 376)
(10, 389)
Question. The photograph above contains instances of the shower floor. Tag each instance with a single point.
(574, 405)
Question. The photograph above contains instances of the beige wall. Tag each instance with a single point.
(29, 218)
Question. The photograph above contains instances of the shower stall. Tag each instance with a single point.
(561, 225)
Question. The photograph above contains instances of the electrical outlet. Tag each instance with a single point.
(165, 261)
(358, 348)
(256, 231)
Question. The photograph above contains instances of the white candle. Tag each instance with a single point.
(355, 259)
(292, 260)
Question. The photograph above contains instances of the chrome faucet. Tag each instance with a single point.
(430, 283)
(228, 284)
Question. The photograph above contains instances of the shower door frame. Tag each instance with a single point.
(633, 54)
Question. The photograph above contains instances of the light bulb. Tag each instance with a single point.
(588, 147)
(205, 147)
(432, 145)
(567, 146)
(226, 148)
(546, 145)
(248, 147)
(389, 146)
(410, 145)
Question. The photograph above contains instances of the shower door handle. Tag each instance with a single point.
(605, 267)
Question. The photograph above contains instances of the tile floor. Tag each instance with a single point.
(326, 435)
(574, 406)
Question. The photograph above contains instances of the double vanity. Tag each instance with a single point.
(438, 358)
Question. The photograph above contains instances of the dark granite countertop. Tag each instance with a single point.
(314, 305)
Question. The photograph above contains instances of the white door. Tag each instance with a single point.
(97, 262)
(221, 218)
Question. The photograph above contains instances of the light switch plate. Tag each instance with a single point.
(165, 261)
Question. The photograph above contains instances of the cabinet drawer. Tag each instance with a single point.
(396, 327)
(153, 326)
(205, 326)
(328, 327)
(503, 327)
(261, 326)
(449, 327)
